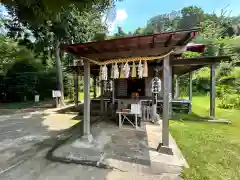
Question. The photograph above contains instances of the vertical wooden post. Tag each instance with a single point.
(162, 82)
(76, 88)
(172, 83)
(95, 87)
(86, 120)
(166, 90)
(176, 88)
(190, 92)
(102, 101)
(212, 90)
(113, 97)
(170, 89)
(164, 146)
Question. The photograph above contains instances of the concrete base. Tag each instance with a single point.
(164, 149)
(224, 121)
(87, 138)
(126, 149)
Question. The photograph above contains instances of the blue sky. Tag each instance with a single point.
(135, 13)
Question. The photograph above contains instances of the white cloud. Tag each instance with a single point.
(121, 15)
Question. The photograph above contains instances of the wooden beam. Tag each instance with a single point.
(186, 69)
(183, 41)
(199, 60)
(168, 41)
(153, 42)
(212, 90)
(133, 53)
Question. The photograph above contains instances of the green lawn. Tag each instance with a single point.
(212, 150)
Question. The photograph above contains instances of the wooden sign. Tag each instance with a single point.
(56, 93)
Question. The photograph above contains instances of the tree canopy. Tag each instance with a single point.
(41, 26)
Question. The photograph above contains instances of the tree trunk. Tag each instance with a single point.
(59, 72)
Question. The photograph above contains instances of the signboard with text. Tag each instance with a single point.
(56, 93)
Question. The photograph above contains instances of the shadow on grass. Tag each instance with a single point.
(190, 117)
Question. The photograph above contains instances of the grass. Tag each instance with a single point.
(212, 150)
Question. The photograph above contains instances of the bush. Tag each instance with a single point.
(222, 90)
(21, 80)
(230, 101)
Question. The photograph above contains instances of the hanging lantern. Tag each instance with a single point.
(140, 70)
(122, 71)
(156, 85)
(104, 73)
(134, 74)
(145, 69)
(126, 70)
(108, 84)
(115, 71)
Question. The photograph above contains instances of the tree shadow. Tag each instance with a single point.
(25, 107)
(193, 117)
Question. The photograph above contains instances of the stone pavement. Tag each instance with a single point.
(127, 150)
(130, 153)
(38, 168)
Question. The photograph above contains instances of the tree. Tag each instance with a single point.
(192, 16)
(71, 24)
(10, 52)
(139, 31)
(32, 11)
(120, 32)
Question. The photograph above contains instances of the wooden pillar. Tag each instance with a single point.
(212, 90)
(162, 82)
(95, 87)
(113, 91)
(113, 97)
(166, 93)
(170, 89)
(76, 88)
(86, 119)
(176, 95)
(164, 146)
(190, 92)
(154, 99)
(172, 84)
(102, 101)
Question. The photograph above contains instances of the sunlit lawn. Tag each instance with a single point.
(212, 150)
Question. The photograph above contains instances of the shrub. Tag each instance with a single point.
(230, 101)
(21, 80)
(222, 90)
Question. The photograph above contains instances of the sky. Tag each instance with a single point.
(132, 14)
